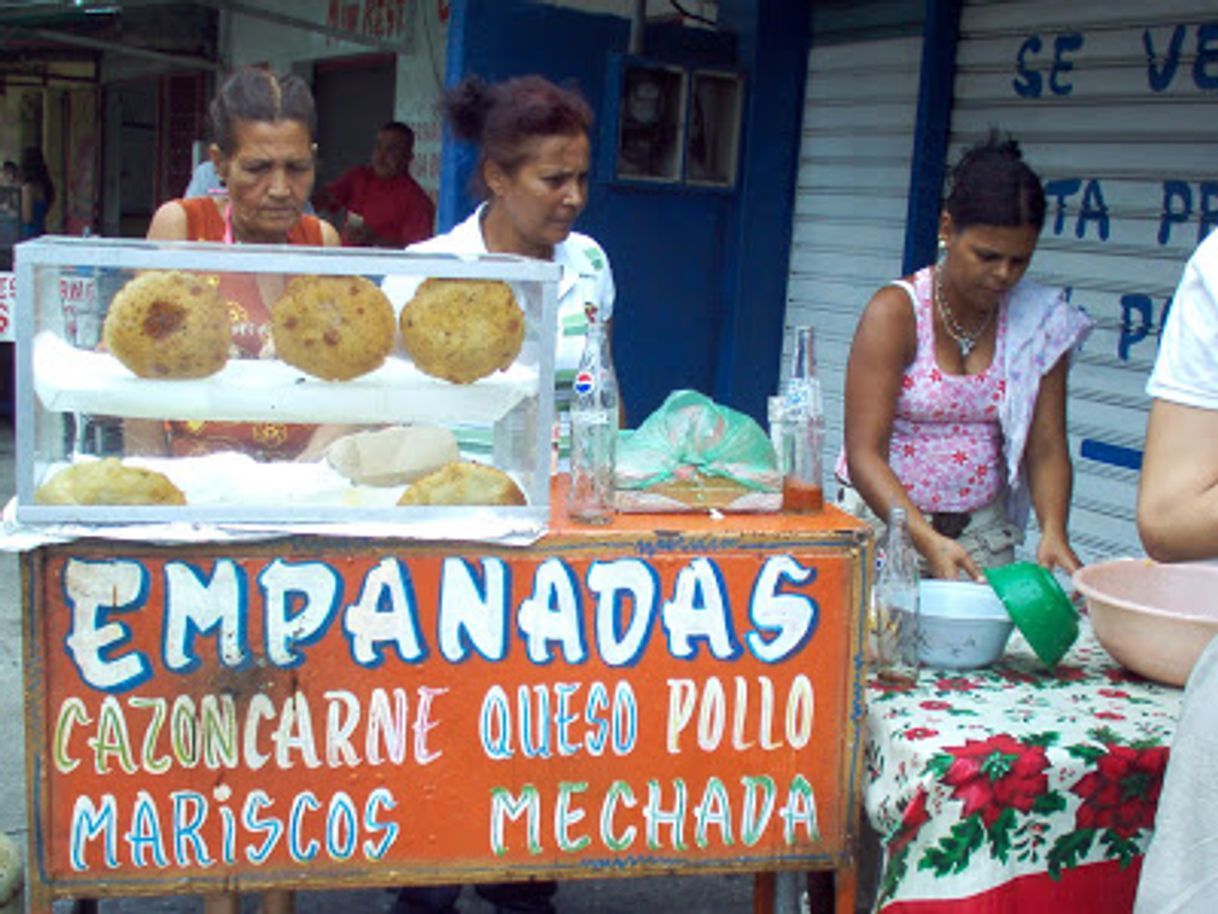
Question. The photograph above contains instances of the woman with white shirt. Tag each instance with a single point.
(532, 176)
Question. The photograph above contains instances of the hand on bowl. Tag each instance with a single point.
(962, 625)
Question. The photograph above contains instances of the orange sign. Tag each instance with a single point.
(440, 714)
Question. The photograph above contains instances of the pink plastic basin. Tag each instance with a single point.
(1153, 618)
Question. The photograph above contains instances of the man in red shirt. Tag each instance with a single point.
(385, 206)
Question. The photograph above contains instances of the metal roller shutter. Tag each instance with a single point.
(1113, 104)
(851, 199)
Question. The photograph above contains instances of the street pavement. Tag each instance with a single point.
(722, 894)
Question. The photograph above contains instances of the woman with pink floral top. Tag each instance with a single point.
(956, 383)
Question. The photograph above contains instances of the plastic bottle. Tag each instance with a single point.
(895, 602)
(803, 429)
(594, 420)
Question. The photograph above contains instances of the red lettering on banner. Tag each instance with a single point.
(374, 18)
(8, 298)
(7, 301)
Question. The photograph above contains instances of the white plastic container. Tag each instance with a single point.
(963, 625)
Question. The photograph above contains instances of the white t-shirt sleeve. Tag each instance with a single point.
(608, 293)
(399, 288)
(1186, 369)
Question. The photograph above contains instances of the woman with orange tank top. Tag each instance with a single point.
(263, 128)
(264, 153)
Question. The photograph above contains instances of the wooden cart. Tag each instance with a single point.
(666, 694)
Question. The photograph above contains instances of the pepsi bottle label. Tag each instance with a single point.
(584, 383)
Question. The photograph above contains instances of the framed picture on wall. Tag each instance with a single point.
(651, 122)
(713, 135)
(671, 125)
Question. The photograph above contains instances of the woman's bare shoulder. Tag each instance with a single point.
(888, 328)
(891, 304)
(329, 235)
(168, 223)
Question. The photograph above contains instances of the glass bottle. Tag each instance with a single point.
(594, 421)
(895, 603)
(801, 441)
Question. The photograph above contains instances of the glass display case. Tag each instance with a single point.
(346, 385)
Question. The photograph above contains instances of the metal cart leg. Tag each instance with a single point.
(226, 903)
(846, 880)
(833, 891)
(821, 889)
(763, 893)
(277, 901)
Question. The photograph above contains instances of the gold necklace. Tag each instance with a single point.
(964, 340)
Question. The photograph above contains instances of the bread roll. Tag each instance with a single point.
(392, 456)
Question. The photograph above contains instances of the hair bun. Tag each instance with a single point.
(465, 106)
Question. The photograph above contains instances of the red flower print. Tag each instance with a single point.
(982, 470)
(907, 382)
(1016, 676)
(934, 704)
(912, 820)
(1113, 693)
(1002, 386)
(935, 375)
(920, 733)
(1109, 715)
(1069, 673)
(909, 450)
(995, 774)
(960, 457)
(955, 684)
(1122, 792)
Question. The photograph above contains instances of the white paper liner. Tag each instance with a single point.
(230, 478)
(68, 379)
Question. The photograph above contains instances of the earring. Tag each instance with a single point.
(941, 255)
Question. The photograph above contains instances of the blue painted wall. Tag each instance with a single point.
(940, 34)
(774, 51)
(701, 275)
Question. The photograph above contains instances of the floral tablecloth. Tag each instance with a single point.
(1013, 789)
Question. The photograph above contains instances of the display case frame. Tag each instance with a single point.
(518, 409)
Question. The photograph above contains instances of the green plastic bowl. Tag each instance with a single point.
(1039, 608)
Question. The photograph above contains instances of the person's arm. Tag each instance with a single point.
(1178, 490)
(145, 437)
(1050, 476)
(418, 222)
(329, 235)
(884, 344)
(168, 223)
(336, 196)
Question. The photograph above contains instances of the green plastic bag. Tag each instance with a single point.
(691, 434)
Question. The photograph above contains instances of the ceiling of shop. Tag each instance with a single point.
(61, 43)
(48, 44)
